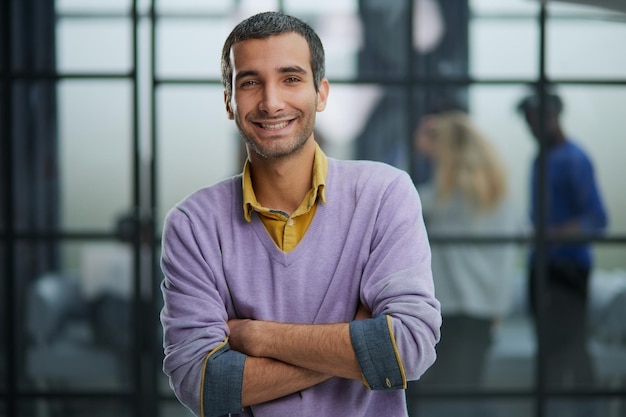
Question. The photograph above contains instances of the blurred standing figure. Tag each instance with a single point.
(466, 196)
(574, 208)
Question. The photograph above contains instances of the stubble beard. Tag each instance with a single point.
(280, 148)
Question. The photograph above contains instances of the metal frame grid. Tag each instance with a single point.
(144, 396)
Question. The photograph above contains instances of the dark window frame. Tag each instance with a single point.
(144, 396)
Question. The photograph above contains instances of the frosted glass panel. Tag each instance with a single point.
(297, 7)
(94, 152)
(93, 5)
(96, 45)
(240, 8)
(164, 6)
(191, 48)
(504, 6)
(586, 49)
(198, 144)
(503, 48)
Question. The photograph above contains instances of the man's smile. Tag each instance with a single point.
(275, 125)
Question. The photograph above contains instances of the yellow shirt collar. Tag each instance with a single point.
(320, 170)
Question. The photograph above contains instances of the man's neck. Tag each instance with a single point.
(556, 139)
(282, 184)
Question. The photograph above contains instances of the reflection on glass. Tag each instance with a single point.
(75, 330)
(94, 152)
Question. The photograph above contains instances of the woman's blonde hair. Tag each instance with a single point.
(466, 161)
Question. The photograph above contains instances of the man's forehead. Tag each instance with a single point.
(285, 49)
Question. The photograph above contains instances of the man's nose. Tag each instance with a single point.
(271, 100)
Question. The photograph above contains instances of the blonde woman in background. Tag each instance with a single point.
(467, 196)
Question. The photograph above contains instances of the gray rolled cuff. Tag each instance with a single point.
(223, 380)
(374, 348)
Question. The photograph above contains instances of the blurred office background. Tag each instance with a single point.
(111, 111)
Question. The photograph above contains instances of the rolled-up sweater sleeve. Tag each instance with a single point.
(221, 384)
(204, 373)
(377, 356)
(398, 344)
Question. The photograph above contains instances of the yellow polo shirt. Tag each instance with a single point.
(285, 230)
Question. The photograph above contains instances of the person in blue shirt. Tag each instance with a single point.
(573, 210)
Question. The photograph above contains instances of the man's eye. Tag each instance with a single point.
(292, 79)
(248, 83)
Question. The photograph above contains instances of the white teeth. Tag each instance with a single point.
(275, 126)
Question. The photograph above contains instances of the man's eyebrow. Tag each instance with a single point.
(292, 69)
(244, 74)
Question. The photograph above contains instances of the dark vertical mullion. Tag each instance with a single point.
(540, 225)
(155, 349)
(137, 351)
(411, 101)
(7, 162)
(412, 80)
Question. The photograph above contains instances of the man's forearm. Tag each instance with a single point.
(323, 348)
(266, 379)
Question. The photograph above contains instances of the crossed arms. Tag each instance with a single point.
(285, 358)
(254, 361)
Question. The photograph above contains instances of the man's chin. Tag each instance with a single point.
(277, 152)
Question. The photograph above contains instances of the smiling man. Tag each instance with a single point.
(302, 286)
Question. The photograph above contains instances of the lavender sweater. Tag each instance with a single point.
(366, 244)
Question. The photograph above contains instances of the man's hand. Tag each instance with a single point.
(242, 331)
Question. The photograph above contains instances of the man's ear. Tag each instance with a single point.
(322, 94)
(229, 108)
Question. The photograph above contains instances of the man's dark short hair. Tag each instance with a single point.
(532, 102)
(264, 25)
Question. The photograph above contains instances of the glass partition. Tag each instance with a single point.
(102, 150)
(95, 153)
(75, 316)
